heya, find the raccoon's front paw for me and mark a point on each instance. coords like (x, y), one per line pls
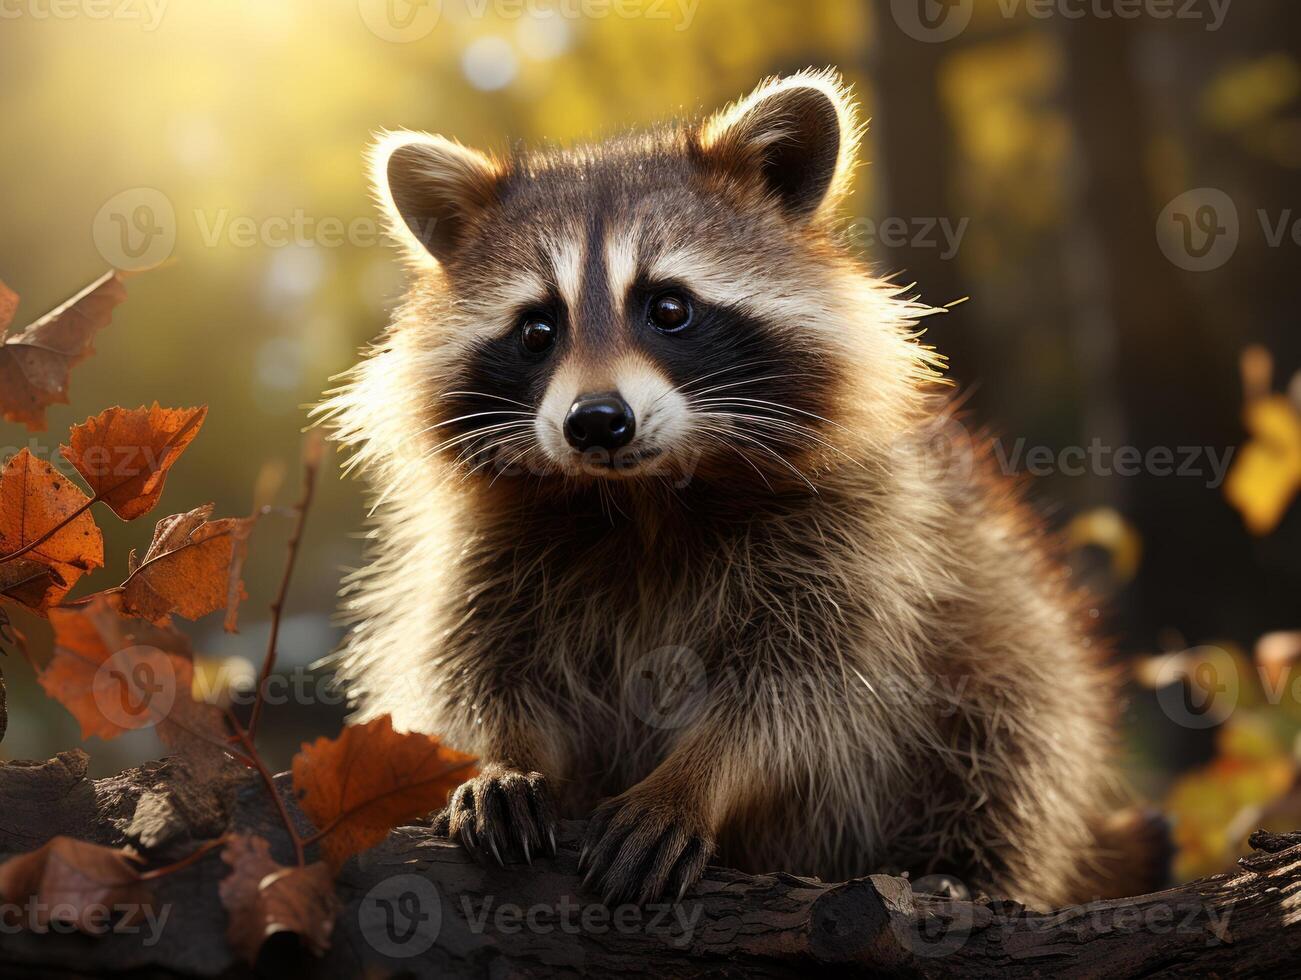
(637, 850)
(501, 811)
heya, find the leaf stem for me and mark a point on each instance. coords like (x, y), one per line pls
(351, 811)
(51, 532)
(189, 859)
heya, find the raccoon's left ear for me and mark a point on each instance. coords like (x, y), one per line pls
(798, 136)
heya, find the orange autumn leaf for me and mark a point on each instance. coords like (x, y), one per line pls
(357, 787)
(35, 362)
(8, 307)
(34, 500)
(263, 898)
(112, 674)
(73, 882)
(31, 584)
(125, 454)
(115, 674)
(193, 567)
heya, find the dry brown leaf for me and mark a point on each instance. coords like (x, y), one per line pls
(263, 898)
(35, 498)
(197, 730)
(35, 362)
(117, 674)
(359, 786)
(125, 454)
(193, 567)
(31, 584)
(73, 881)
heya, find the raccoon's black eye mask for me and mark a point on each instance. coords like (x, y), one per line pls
(668, 311)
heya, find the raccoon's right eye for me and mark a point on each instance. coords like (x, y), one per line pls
(537, 335)
(669, 312)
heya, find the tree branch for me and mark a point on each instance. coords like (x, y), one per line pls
(422, 906)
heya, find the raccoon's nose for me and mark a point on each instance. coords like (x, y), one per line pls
(600, 421)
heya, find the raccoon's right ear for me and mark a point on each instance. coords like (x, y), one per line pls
(429, 188)
(797, 137)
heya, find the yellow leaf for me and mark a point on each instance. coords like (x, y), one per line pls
(1266, 475)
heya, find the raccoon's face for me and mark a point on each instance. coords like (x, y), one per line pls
(654, 307)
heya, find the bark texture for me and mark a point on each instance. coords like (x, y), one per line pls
(415, 906)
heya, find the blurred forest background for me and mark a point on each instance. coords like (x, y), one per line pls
(1118, 196)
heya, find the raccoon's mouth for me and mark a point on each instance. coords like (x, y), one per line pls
(623, 463)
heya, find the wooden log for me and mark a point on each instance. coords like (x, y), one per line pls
(418, 906)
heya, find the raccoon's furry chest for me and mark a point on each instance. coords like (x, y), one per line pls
(626, 624)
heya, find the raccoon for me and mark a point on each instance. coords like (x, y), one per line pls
(674, 527)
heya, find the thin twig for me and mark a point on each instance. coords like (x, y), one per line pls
(311, 466)
(269, 781)
(184, 862)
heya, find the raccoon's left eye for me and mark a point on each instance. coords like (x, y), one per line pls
(669, 312)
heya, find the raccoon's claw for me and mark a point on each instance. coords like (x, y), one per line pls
(502, 813)
(639, 853)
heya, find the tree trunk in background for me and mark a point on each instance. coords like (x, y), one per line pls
(1256, 159)
(915, 153)
(1176, 375)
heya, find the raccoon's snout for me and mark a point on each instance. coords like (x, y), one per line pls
(603, 421)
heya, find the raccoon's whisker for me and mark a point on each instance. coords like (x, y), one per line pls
(485, 450)
(785, 425)
(747, 381)
(608, 503)
(686, 391)
(686, 388)
(490, 453)
(740, 430)
(600, 497)
(476, 415)
(479, 433)
(428, 454)
(484, 394)
(787, 408)
(510, 462)
(762, 476)
(501, 437)
(758, 443)
(469, 443)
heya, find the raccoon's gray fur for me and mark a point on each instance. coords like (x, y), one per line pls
(797, 620)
